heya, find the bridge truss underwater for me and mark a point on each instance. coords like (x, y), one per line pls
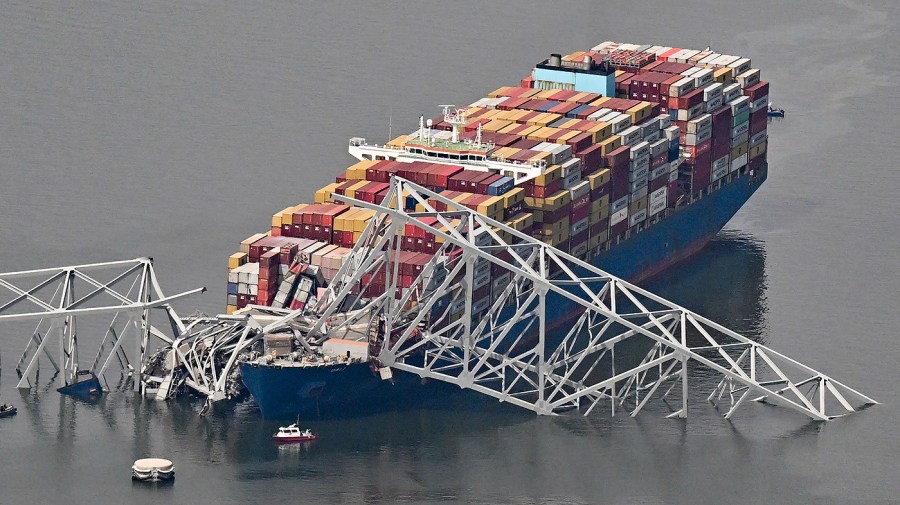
(619, 346)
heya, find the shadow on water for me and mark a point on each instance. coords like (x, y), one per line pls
(725, 282)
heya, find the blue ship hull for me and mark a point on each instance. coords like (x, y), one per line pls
(346, 390)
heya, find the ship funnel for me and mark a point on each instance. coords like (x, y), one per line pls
(587, 62)
(555, 60)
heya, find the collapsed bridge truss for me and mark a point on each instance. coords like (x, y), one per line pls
(494, 311)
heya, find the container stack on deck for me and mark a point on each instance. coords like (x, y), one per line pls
(681, 122)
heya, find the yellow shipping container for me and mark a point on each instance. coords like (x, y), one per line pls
(566, 136)
(600, 129)
(723, 75)
(556, 227)
(599, 214)
(598, 179)
(637, 206)
(740, 150)
(351, 191)
(544, 119)
(513, 197)
(601, 100)
(362, 218)
(541, 156)
(357, 171)
(324, 195)
(570, 124)
(758, 149)
(599, 203)
(530, 93)
(229, 309)
(398, 142)
(245, 244)
(501, 91)
(546, 94)
(237, 259)
(551, 174)
(551, 203)
(492, 207)
(523, 222)
(639, 112)
(495, 125)
(611, 144)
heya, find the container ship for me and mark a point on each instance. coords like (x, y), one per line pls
(631, 157)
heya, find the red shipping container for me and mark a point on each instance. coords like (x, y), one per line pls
(581, 201)
(482, 185)
(757, 91)
(673, 193)
(579, 214)
(699, 149)
(657, 183)
(543, 191)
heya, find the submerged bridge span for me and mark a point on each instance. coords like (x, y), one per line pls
(494, 311)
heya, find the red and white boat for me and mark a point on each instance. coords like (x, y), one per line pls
(292, 433)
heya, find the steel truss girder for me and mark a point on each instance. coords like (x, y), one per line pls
(58, 297)
(503, 350)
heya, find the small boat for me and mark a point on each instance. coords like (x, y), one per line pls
(153, 470)
(775, 112)
(7, 410)
(86, 384)
(292, 433)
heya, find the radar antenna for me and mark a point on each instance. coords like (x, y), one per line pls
(456, 119)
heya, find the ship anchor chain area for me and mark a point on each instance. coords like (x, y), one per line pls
(619, 348)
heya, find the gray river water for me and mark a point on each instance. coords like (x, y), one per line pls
(174, 130)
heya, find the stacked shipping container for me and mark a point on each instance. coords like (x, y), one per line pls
(682, 122)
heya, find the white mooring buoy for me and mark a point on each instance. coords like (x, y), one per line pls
(153, 470)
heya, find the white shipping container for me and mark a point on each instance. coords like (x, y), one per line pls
(580, 189)
(673, 176)
(640, 149)
(653, 137)
(739, 105)
(709, 58)
(740, 139)
(621, 123)
(610, 115)
(731, 92)
(681, 87)
(721, 162)
(690, 72)
(481, 305)
(712, 91)
(631, 135)
(619, 204)
(233, 276)
(703, 77)
(231, 299)
(664, 121)
(649, 127)
(639, 193)
(641, 164)
(501, 281)
(740, 129)
(636, 184)
(748, 78)
(692, 139)
(639, 175)
(672, 132)
(659, 171)
(481, 280)
(724, 60)
(579, 250)
(760, 103)
(570, 166)
(618, 216)
(658, 147)
(739, 162)
(657, 207)
(715, 103)
(659, 194)
(638, 217)
(604, 47)
(580, 226)
(699, 123)
(457, 306)
(740, 65)
(243, 288)
(571, 180)
(687, 115)
(718, 174)
(759, 137)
